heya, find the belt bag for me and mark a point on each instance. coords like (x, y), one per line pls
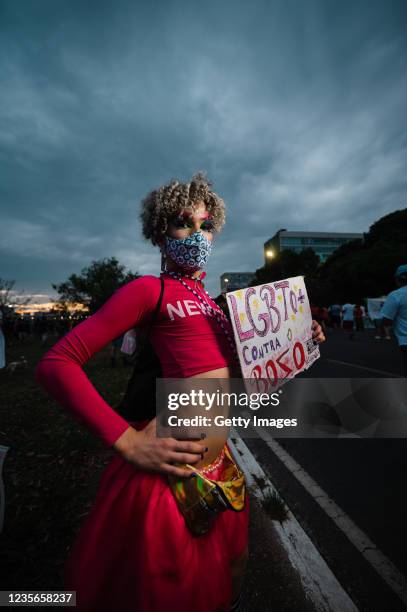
(200, 499)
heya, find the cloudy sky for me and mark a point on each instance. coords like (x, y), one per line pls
(296, 109)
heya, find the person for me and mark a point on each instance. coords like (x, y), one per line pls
(114, 350)
(394, 312)
(324, 318)
(319, 313)
(380, 330)
(347, 319)
(134, 550)
(358, 314)
(129, 343)
(374, 307)
(335, 312)
(315, 312)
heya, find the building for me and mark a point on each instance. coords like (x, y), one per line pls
(230, 281)
(323, 243)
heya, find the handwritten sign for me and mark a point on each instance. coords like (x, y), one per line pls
(272, 328)
(374, 306)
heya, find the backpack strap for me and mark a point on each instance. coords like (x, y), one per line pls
(157, 308)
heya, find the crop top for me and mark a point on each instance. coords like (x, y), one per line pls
(185, 336)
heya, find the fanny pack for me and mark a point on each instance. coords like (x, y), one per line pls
(200, 499)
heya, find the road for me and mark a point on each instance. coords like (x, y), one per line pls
(364, 477)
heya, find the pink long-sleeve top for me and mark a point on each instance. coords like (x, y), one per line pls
(186, 337)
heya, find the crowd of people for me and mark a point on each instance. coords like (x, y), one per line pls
(350, 317)
(355, 317)
(16, 330)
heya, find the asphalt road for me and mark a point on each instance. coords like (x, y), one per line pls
(365, 477)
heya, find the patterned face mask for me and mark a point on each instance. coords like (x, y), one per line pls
(189, 253)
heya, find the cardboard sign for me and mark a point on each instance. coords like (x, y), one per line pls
(272, 328)
(374, 306)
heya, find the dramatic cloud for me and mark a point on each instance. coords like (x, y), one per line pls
(296, 110)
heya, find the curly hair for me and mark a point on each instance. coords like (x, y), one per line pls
(162, 203)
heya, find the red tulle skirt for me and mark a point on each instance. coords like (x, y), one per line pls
(134, 552)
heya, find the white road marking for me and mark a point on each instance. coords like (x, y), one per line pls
(355, 365)
(382, 564)
(320, 584)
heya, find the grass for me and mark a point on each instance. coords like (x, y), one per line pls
(51, 471)
(274, 506)
(272, 502)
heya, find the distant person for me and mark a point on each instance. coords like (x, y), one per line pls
(394, 311)
(374, 307)
(324, 314)
(358, 315)
(129, 343)
(315, 312)
(335, 312)
(319, 314)
(381, 331)
(129, 346)
(348, 319)
(115, 347)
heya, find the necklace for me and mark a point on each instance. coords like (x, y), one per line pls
(219, 315)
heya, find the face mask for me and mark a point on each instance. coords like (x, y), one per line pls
(189, 253)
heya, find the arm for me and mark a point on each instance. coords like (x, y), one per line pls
(60, 369)
(389, 311)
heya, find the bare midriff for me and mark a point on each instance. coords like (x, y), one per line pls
(215, 443)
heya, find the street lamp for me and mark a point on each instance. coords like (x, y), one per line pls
(269, 254)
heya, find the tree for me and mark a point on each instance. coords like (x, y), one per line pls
(95, 284)
(390, 228)
(288, 263)
(356, 270)
(360, 269)
(8, 297)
